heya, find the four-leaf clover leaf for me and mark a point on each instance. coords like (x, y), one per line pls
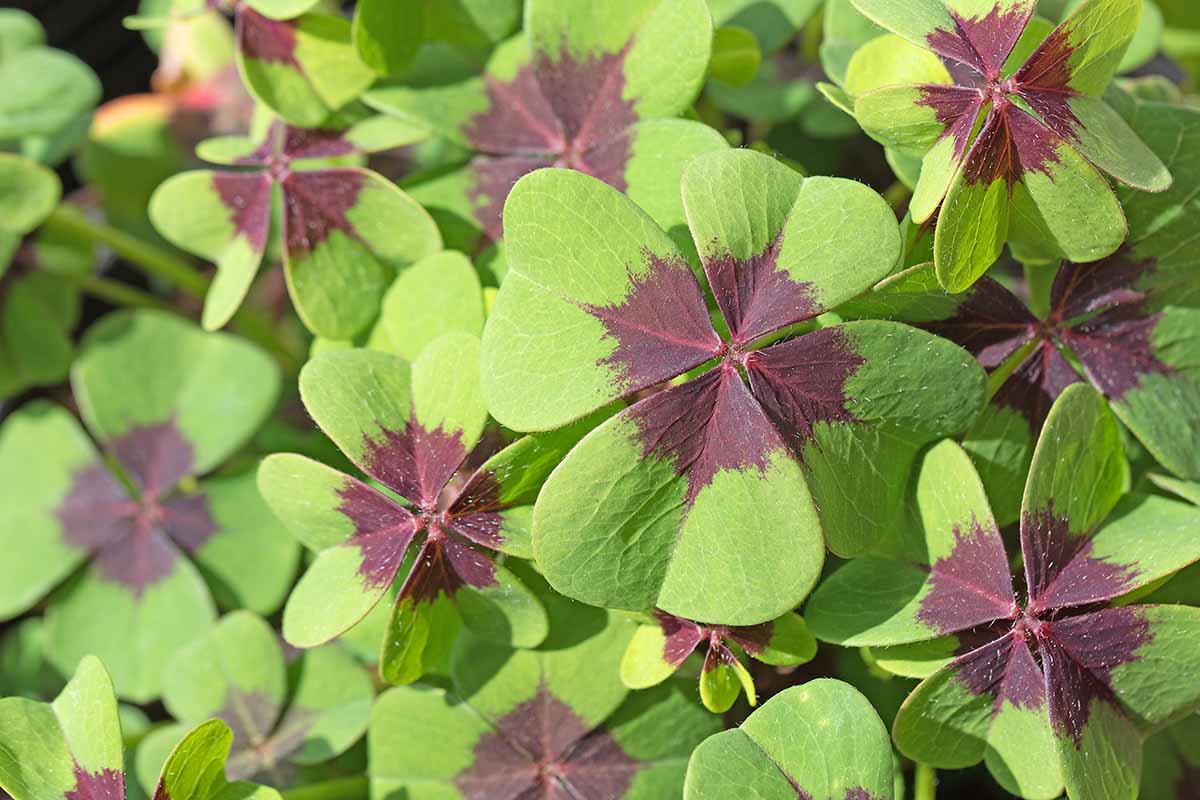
(1056, 684)
(707, 499)
(1013, 141)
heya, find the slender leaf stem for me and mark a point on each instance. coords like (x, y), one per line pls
(925, 783)
(165, 265)
(352, 788)
(150, 258)
(115, 292)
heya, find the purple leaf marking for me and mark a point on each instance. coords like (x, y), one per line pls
(705, 426)
(383, 531)
(554, 112)
(107, 784)
(683, 636)
(802, 382)
(1005, 669)
(134, 540)
(970, 586)
(990, 324)
(542, 749)
(1036, 383)
(263, 39)
(1060, 646)
(1079, 654)
(661, 328)
(956, 108)
(415, 462)
(248, 198)
(1060, 571)
(315, 205)
(982, 43)
(421, 465)
(1188, 785)
(756, 296)
(491, 181)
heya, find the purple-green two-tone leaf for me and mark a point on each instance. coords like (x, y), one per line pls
(167, 358)
(222, 217)
(345, 232)
(303, 69)
(770, 260)
(66, 750)
(819, 740)
(638, 320)
(42, 448)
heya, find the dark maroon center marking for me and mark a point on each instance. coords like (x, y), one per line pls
(1079, 654)
(1099, 312)
(542, 749)
(1012, 142)
(107, 784)
(1060, 570)
(683, 636)
(421, 465)
(802, 382)
(264, 39)
(982, 43)
(134, 540)
(1059, 645)
(248, 198)
(315, 204)
(705, 426)
(970, 586)
(957, 108)
(564, 113)
(1187, 787)
(756, 296)
(661, 328)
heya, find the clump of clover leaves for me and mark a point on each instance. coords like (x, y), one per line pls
(72, 749)
(819, 741)
(1054, 685)
(659, 648)
(583, 87)
(707, 499)
(1127, 324)
(133, 508)
(552, 721)
(286, 718)
(411, 427)
(38, 308)
(49, 94)
(344, 229)
(1012, 133)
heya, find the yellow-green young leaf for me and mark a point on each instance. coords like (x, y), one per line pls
(28, 193)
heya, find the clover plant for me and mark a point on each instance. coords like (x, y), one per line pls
(1012, 133)
(1057, 684)
(72, 748)
(656, 399)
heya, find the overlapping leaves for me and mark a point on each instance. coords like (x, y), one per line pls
(584, 87)
(1013, 133)
(131, 510)
(413, 429)
(818, 741)
(72, 749)
(659, 648)
(284, 717)
(345, 230)
(1055, 685)
(554, 721)
(1126, 324)
(674, 502)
